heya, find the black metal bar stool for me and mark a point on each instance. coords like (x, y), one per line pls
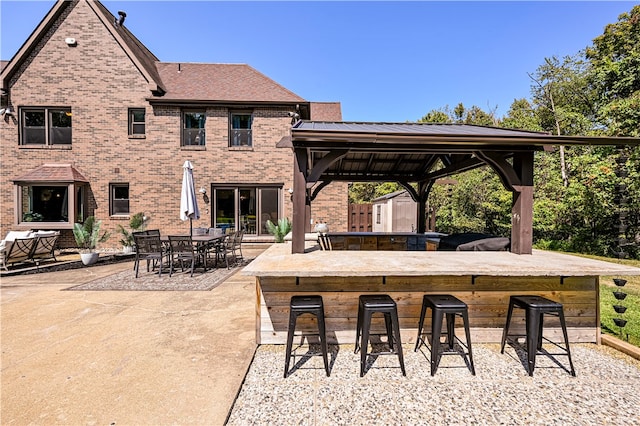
(306, 305)
(367, 306)
(441, 305)
(535, 308)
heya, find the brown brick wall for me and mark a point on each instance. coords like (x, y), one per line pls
(99, 82)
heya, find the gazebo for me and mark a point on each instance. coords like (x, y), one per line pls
(419, 153)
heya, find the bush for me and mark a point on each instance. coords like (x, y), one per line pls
(87, 234)
(136, 223)
(280, 230)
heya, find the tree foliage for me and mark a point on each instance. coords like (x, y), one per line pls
(586, 199)
(615, 60)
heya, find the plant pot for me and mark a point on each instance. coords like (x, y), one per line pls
(89, 258)
(619, 295)
(619, 282)
(322, 228)
(620, 322)
(619, 309)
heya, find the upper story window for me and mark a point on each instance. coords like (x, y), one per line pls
(45, 126)
(193, 132)
(240, 129)
(136, 121)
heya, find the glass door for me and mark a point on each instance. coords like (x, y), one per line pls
(224, 208)
(268, 208)
(246, 208)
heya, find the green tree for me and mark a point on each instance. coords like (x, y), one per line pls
(521, 115)
(615, 74)
(362, 192)
(437, 116)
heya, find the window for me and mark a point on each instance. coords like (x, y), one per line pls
(136, 121)
(247, 208)
(240, 129)
(52, 205)
(193, 132)
(119, 199)
(378, 214)
(45, 126)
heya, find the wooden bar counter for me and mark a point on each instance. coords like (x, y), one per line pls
(483, 280)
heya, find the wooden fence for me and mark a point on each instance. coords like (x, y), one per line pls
(360, 217)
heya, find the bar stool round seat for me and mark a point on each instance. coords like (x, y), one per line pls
(367, 306)
(535, 308)
(442, 305)
(306, 305)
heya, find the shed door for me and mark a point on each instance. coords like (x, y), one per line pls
(404, 215)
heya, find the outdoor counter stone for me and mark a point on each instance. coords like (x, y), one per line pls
(277, 261)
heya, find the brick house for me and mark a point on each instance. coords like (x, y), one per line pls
(95, 124)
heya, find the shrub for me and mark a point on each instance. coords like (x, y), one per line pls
(280, 230)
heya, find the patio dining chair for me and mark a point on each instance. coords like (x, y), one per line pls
(237, 245)
(151, 249)
(224, 249)
(183, 249)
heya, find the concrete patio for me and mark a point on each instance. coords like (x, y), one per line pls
(182, 357)
(122, 357)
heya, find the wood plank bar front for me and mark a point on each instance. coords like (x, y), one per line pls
(487, 298)
(483, 280)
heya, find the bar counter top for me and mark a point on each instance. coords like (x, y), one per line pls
(277, 261)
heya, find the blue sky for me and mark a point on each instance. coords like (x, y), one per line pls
(384, 61)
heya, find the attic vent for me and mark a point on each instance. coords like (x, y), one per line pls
(119, 22)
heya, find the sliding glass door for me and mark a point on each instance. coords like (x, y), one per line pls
(246, 207)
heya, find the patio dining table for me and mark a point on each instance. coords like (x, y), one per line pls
(202, 242)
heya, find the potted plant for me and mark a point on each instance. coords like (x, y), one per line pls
(136, 223)
(280, 230)
(87, 236)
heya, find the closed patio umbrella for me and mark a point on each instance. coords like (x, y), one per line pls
(188, 201)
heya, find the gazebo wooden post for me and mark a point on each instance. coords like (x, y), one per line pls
(299, 213)
(423, 192)
(522, 207)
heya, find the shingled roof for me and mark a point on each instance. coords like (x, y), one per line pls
(62, 173)
(220, 82)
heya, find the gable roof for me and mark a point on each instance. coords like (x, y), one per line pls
(173, 82)
(138, 52)
(143, 59)
(220, 82)
(402, 192)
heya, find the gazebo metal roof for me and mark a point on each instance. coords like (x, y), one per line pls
(419, 153)
(409, 152)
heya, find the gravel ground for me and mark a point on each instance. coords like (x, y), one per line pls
(606, 389)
